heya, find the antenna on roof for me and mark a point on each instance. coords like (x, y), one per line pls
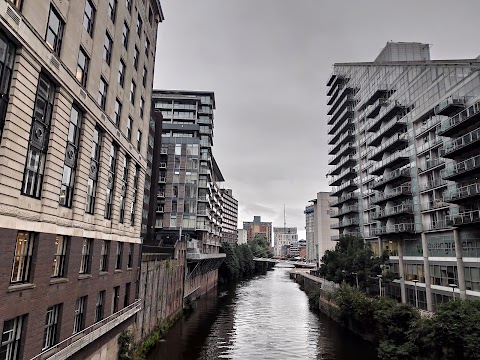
(284, 219)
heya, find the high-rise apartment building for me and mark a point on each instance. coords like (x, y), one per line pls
(283, 236)
(404, 133)
(229, 217)
(311, 246)
(258, 227)
(241, 236)
(74, 102)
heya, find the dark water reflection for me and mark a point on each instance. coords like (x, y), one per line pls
(263, 318)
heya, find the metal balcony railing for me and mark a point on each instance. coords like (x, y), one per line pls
(432, 122)
(396, 228)
(344, 210)
(344, 198)
(341, 139)
(457, 144)
(431, 184)
(349, 172)
(385, 129)
(333, 159)
(398, 155)
(433, 205)
(465, 218)
(429, 145)
(430, 164)
(395, 210)
(462, 167)
(344, 223)
(462, 192)
(400, 190)
(345, 185)
(395, 138)
(356, 234)
(462, 117)
(392, 176)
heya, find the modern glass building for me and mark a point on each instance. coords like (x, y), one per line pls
(405, 166)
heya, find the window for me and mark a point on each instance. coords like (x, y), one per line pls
(111, 180)
(107, 48)
(112, 9)
(129, 128)
(86, 259)
(79, 317)
(102, 93)
(22, 258)
(50, 337)
(6, 68)
(54, 34)
(126, 299)
(124, 187)
(89, 17)
(144, 76)
(82, 67)
(17, 3)
(70, 161)
(116, 297)
(130, 256)
(93, 174)
(59, 259)
(139, 25)
(11, 336)
(135, 58)
(125, 35)
(121, 73)
(142, 106)
(39, 135)
(135, 191)
(139, 140)
(128, 3)
(99, 306)
(150, 16)
(133, 90)
(147, 47)
(119, 255)
(118, 112)
(104, 255)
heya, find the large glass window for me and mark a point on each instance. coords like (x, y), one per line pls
(124, 188)
(82, 67)
(54, 35)
(104, 255)
(7, 57)
(102, 93)
(94, 168)
(130, 256)
(107, 48)
(128, 4)
(121, 72)
(119, 255)
(139, 140)
(136, 175)
(80, 312)
(99, 306)
(116, 299)
(111, 180)
(118, 112)
(129, 128)
(112, 9)
(71, 155)
(22, 258)
(136, 55)
(139, 25)
(50, 337)
(86, 257)
(126, 299)
(89, 17)
(147, 46)
(39, 136)
(11, 336)
(144, 76)
(125, 35)
(133, 90)
(142, 107)
(60, 256)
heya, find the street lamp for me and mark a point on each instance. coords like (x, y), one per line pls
(356, 277)
(380, 283)
(453, 286)
(343, 273)
(416, 293)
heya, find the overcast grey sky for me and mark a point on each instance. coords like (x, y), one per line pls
(268, 61)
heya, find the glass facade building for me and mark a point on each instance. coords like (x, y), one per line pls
(405, 165)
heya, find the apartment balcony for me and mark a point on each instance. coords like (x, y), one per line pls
(456, 147)
(461, 121)
(345, 210)
(434, 205)
(333, 93)
(347, 174)
(450, 106)
(161, 194)
(337, 141)
(344, 150)
(349, 185)
(433, 184)
(394, 143)
(403, 190)
(462, 193)
(433, 122)
(401, 209)
(335, 79)
(343, 90)
(397, 159)
(345, 223)
(341, 103)
(395, 125)
(395, 175)
(432, 144)
(395, 229)
(464, 219)
(370, 99)
(349, 160)
(431, 164)
(340, 129)
(375, 108)
(336, 120)
(345, 198)
(436, 225)
(388, 113)
(462, 168)
(356, 234)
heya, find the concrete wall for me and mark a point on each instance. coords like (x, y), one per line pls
(323, 233)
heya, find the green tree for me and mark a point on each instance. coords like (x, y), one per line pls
(230, 268)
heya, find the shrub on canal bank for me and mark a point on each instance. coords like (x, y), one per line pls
(400, 333)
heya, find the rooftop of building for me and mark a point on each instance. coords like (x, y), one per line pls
(183, 94)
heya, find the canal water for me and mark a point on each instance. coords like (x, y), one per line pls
(263, 318)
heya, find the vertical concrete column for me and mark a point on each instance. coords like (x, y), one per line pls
(460, 267)
(401, 270)
(426, 271)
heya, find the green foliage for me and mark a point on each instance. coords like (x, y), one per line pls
(230, 268)
(125, 345)
(314, 299)
(351, 255)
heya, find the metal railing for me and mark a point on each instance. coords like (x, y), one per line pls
(400, 190)
(461, 142)
(385, 128)
(344, 198)
(340, 152)
(384, 163)
(392, 175)
(464, 218)
(429, 145)
(434, 183)
(342, 175)
(389, 142)
(460, 117)
(344, 186)
(462, 166)
(435, 204)
(344, 223)
(432, 122)
(462, 192)
(396, 228)
(394, 210)
(431, 163)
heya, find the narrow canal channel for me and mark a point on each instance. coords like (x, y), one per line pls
(263, 318)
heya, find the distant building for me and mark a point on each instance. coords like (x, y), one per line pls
(241, 236)
(311, 248)
(283, 236)
(323, 231)
(229, 217)
(257, 227)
